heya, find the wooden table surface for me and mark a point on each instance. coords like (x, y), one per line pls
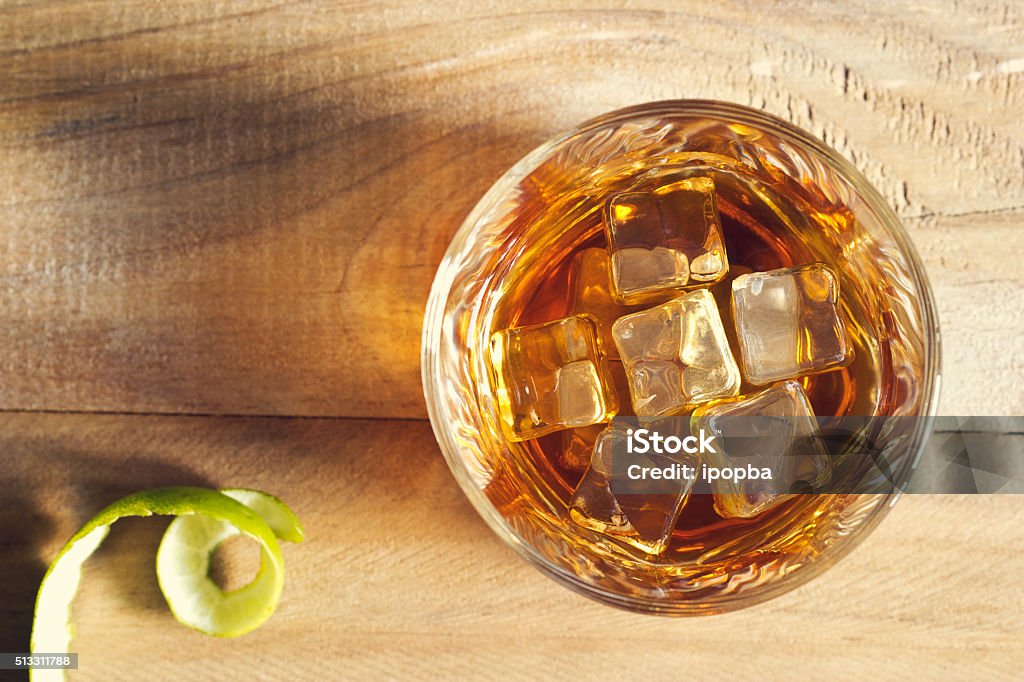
(219, 222)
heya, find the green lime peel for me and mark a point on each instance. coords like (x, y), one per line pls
(204, 519)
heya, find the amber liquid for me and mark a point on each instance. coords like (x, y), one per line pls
(768, 223)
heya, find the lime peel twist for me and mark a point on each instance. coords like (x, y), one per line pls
(205, 518)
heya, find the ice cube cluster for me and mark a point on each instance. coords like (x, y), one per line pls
(644, 324)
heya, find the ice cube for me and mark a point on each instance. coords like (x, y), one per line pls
(663, 240)
(578, 446)
(656, 387)
(644, 521)
(676, 355)
(776, 430)
(788, 324)
(648, 271)
(591, 292)
(549, 377)
(580, 400)
(578, 443)
(652, 334)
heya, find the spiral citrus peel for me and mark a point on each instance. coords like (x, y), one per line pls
(205, 518)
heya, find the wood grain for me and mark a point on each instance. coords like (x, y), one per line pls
(399, 578)
(238, 207)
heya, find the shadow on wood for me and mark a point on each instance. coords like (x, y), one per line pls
(46, 494)
(213, 236)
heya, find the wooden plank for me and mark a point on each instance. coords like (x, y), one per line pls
(971, 261)
(237, 208)
(400, 579)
